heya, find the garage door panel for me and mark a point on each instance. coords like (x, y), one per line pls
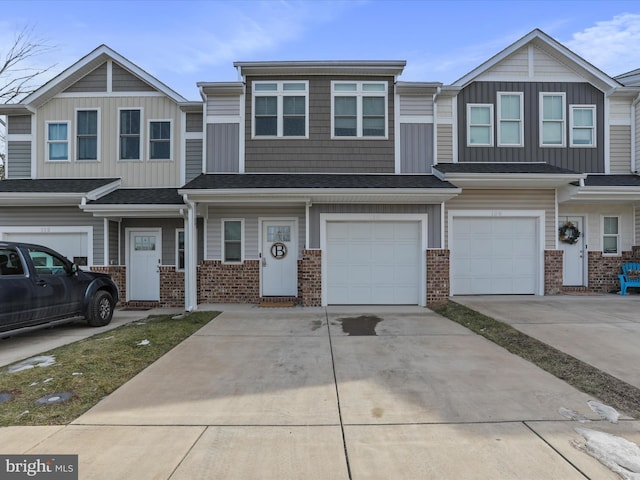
(69, 244)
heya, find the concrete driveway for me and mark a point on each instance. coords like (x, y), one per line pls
(352, 393)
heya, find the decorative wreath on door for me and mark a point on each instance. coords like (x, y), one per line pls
(569, 233)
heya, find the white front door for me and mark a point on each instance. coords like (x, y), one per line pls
(573, 258)
(143, 270)
(279, 263)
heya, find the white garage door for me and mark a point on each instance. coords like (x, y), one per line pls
(494, 256)
(70, 244)
(373, 263)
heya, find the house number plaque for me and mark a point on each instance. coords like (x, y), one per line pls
(278, 250)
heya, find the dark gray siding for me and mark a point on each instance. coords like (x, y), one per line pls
(223, 147)
(589, 160)
(194, 122)
(19, 160)
(416, 147)
(319, 153)
(95, 81)
(19, 124)
(433, 223)
(123, 81)
(193, 159)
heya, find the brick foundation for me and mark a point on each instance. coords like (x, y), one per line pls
(171, 287)
(310, 278)
(553, 271)
(118, 275)
(229, 283)
(438, 284)
(604, 270)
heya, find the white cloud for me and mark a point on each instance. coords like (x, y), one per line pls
(612, 45)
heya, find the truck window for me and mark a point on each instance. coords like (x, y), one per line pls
(10, 263)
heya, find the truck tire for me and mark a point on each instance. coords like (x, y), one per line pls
(100, 309)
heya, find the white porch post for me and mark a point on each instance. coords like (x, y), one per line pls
(190, 258)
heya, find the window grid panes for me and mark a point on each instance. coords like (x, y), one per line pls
(583, 126)
(480, 125)
(280, 109)
(359, 109)
(552, 130)
(611, 235)
(58, 141)
(160, 140)
(129, 134)
(232, 240)
(510, 130)
(279, 233)
(180, 250)
(87, 134)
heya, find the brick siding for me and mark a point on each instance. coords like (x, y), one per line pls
(310, 278)
(229, 283)
(438, 285)
(118, 275)
(171, 287)
(604, 270)
(553, 271)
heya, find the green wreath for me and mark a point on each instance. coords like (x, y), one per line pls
(569, 233)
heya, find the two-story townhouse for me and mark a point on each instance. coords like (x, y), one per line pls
(95, 158)
(542, 144)
(317, 186)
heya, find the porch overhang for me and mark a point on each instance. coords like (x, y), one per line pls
(129, 211)
(54, 192)
(137, 202)
(603, 188)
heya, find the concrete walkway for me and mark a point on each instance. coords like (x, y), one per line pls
(290, 394)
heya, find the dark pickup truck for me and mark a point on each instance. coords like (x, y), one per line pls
(39, 287)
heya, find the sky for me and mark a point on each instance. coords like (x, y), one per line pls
(184, 42)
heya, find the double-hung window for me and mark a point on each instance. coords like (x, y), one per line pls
(582, 121)
(611, 235)
(180, 249)
(57, 141)
(87, 135)
(552, 120)
(280, 109)
(510, 119)
(479, 125)
(359, 109)
(232, 240)
(129, 135)
(160, 140)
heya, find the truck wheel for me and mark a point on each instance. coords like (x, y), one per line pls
(100, 309)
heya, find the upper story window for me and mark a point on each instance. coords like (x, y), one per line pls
(510, 119)
(359, 109)
(129, 134)
(280, 109)
(160, 140)
(582, 121)
(479, 125)
(87, 134)
(552, 120)
(57, 141)
(611, 235)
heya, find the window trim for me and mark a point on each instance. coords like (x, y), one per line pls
(359, 93)
(50, 142)
(98, 136)
(491, 125)
(158, 120)
(223, 242)
(499, 120)
(563, 122)
(618, 251)
(178, 232)
(279, 93)
(592, 128)
(141, 150)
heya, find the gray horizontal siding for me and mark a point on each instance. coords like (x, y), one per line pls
(19, 124)
(193, 159)
(123, 81)
(620, 149)
(223, 147)
(432, 211)
(19, 160)
(418, 105)
(57, 217)
(221, 106)
(589, 160)
(194, 122)
(96, 81)
(416, 147)
(319, 153)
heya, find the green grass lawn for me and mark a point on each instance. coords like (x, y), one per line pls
(92, 368)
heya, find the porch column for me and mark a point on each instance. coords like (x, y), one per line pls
(190, 258)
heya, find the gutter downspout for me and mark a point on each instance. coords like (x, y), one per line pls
(435, 126)
(190, 254)
(634, 160)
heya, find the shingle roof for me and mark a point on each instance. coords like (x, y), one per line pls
(612, 181)
(313, 181)
(141, 196)
(513, 168)
(54, 185)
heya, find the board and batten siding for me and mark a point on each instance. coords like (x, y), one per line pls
(620, 149)
(251, 227)
(18, 160)
(18, 124)
(433, 217)
(588, 160)
(57, 217)
(319, 153)
(145, 173)
(496, 200)
(416, 147)
(223, 148)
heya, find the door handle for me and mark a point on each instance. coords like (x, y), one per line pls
(41, 283)
(264, 262)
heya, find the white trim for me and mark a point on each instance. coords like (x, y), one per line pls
(416, 118)
(105, 241)
(454, 129)
(539, 215)
(177, 251)
(141, 152)
(21, 137)
(192, 135)
(279, 93)
(56, 229)
(618, 236)
(499, 120)
(585, 247)
(171, 140)
(541, 120)
(420, 218)
(48, 142)
(182, 153)
(213, 119)
(127, 234)
(607, 136)
(396, 128)
(491, 124)
(241, 133)
(242, 241)
(74, 148)
(359, 93)
(294, 237)
(34, 148)
(594, 130)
